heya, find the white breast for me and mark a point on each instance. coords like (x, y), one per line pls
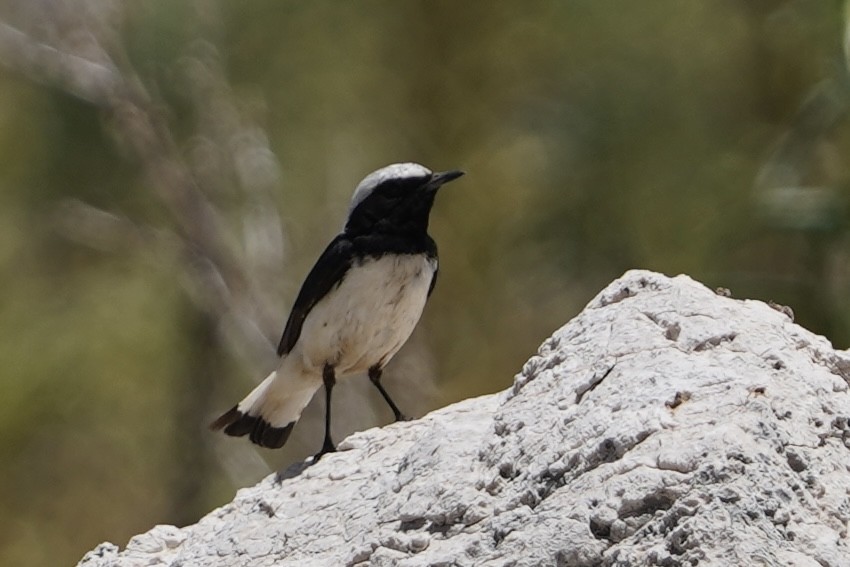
(367, 319)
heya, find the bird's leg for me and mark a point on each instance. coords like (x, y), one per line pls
(330, 380)
(375, 377)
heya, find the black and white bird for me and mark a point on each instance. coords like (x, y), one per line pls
(357, 307)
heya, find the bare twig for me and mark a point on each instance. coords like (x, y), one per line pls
(93, 82)
(222, 279)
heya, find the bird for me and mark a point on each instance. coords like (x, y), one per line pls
(356, 308)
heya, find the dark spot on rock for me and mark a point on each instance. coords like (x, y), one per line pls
(623, 293)
(499, 534)
(507, 470)
(661, 499)
(787, 311)
(728, 496)
(709, 474)
(607, 451)
(600, 529)
(438, 528)
(265, 508)
(678, 543)
(530, 498)
(597, 379)
(413, 524)
(673, 331)
(680, 398)
(712, 342)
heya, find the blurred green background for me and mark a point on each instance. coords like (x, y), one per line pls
(170, 170)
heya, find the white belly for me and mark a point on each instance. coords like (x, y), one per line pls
(367, 319)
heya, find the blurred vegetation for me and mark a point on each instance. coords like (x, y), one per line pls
(170, 170)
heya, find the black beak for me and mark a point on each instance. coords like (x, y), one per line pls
(441, 177)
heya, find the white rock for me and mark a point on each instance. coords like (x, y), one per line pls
(665, 425)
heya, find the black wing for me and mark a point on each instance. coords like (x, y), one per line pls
(431, 251)
(433, 279)
(329, 270)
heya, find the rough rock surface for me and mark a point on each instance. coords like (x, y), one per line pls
(665, 425)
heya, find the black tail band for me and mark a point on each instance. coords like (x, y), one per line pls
(261, 432)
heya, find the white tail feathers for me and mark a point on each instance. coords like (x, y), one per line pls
(250, 404)
(270, 411)
(280, 398)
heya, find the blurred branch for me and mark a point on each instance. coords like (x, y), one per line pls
(140, 128)
(227, 280)
(786, 195)
(44, 64)
(96, 228)
(817, 116)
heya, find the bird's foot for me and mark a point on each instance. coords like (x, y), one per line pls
(327, 447)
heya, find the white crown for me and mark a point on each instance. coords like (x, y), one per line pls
(395, 171)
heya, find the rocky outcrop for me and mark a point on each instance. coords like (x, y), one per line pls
(664, 425)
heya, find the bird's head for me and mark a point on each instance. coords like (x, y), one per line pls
(395, 199)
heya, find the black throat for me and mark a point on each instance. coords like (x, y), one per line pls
(394, 209)
(393, 220)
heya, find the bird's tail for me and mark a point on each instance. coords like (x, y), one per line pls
(270, 411)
